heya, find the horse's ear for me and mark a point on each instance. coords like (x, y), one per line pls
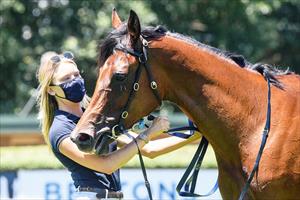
(134, 27)
(116, 21)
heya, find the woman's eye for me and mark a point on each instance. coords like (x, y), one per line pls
(65, 79)
(77, 75)
(120, 76)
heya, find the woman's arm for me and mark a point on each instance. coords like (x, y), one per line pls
(102, 163)
(111, 162)
(160, 146)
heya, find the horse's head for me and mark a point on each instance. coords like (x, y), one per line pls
(124, 91)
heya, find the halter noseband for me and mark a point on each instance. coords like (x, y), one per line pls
(142, 59)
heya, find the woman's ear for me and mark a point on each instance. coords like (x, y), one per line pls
(51, 91)
(133, 26)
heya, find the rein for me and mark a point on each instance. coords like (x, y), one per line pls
(262, 145)
(189, 183)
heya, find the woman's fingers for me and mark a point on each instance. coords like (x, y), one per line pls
(159, 125)
(163, 123)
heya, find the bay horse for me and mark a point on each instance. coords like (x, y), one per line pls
(222, 93)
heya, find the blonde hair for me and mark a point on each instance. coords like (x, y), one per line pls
(46, 103)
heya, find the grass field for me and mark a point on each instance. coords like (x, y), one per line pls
(40, 157)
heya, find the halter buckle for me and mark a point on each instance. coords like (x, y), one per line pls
(124, 114)
(135, 127)
(145, 42)
(113, 131)
(153, 85)
(136, 86)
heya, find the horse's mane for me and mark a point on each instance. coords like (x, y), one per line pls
(107, 46)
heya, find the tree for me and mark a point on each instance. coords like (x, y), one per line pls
(260, 30)
(263, 31)
(30, 28)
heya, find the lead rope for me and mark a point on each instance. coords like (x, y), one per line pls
(147, 184)
(262, 145)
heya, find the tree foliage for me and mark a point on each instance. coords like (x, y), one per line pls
(262, 31)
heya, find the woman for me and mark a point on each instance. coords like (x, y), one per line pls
(62, 98)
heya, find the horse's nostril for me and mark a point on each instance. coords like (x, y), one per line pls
(84, 142)
(83, 137)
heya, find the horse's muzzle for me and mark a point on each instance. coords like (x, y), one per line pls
(102, 143)
(84, 142)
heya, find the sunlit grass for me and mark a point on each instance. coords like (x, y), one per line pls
(40, 157)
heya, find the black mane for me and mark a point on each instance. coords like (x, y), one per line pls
(107, 46)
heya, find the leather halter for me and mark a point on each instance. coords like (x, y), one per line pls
(142, 58)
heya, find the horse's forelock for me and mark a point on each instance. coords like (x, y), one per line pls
(106, 46)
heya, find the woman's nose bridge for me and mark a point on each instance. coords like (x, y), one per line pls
(73, 76)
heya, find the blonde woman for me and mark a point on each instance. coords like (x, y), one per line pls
(62, 99)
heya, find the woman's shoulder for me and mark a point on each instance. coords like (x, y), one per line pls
(61, 128)
(61, 123)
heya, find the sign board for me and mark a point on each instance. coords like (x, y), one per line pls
(57, 184)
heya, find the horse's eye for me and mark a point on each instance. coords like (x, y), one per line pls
(120, 76)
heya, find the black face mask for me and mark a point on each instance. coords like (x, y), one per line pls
(74, 90)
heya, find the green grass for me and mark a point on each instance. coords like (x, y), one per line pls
(40, 157)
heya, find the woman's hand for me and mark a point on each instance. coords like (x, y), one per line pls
(159, 125)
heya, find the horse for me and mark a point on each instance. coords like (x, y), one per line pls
(222, 93)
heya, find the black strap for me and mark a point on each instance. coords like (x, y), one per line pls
(151, 80)
(173, 131)
(189, 183)
(147, 184)
(129, 51)
(132, 92)
(262, 145)
(142, 57)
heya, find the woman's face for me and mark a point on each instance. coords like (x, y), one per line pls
(65, 72)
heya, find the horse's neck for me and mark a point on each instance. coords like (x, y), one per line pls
(224, 100)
